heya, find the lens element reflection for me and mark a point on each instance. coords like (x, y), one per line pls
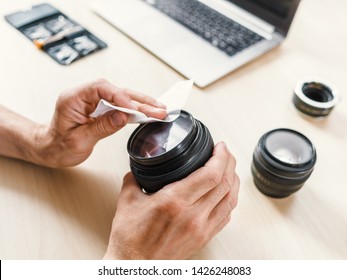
(289, 147)
(164, 137)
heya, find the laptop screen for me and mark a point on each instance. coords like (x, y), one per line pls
(280, 8)
(279, 13)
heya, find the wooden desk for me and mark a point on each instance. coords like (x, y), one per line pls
(67, 213)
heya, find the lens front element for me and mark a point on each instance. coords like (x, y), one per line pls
(164, 137)
(288, 147)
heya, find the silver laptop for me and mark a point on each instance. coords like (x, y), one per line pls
(202, 39)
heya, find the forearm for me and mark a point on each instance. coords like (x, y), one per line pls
(19, 136)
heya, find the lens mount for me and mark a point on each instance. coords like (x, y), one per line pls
(314, 97)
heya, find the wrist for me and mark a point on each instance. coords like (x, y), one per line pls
(42, 148)
(123, 252)
(111, 254)
(39, 148)
(26, 140)
(34, 144)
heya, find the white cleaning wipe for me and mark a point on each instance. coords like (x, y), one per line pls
(175, 99)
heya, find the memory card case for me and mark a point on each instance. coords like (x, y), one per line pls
(59, 36)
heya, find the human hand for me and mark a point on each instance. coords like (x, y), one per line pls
(178, 220)
(72, 134)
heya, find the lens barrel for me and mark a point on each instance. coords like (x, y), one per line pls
(282, 162)
(316, 99)
(161, 153)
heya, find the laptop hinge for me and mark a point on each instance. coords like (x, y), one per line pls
(241, 16)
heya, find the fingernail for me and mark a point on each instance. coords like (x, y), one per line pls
(159, 104)
(161, 113)
(133, 105)
(222, 143)
(119, 119)
(159, 110)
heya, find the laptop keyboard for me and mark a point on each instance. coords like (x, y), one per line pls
(219, 30)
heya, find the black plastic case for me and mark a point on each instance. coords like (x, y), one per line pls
(59, 36)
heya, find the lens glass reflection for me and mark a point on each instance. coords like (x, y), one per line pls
(163, 137)
(289, 147)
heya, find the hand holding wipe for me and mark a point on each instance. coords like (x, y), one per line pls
(175, 99)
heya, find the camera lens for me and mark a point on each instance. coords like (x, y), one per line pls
(162, 153)
(282, 162)
(316, 99)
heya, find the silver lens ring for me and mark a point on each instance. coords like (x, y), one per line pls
(315, 97)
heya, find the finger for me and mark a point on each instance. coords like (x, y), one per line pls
(220, 226)
(92, 93)
(151, 111)
(226, 205)
(102, 89)
(131, 191)
(209, 201)
(200, 182)
(144, 99)
(107, 124)
(235, 191)
(70, 103)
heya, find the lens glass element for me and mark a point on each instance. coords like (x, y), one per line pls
(164, 137)
(288, 147)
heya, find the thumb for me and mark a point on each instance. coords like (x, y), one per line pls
(108, 124)
(131, 191)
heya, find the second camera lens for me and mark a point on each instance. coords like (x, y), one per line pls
(282, 161)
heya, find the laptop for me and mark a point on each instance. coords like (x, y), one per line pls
(202, 39)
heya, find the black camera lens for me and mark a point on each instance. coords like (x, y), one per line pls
(316, 99)
(282, 162)
(162, 153)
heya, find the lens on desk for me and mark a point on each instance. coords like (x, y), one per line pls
(162, 153)
(316, 99)
(282, 162)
